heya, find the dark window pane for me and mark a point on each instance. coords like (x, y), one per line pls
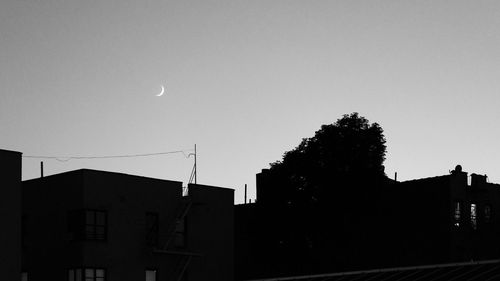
(487, 213)
(99, 272)
(100, 232)
(90, 217)
(90, 232)
(78, 276)
(89, 273)
(100, 218)
(87, 225)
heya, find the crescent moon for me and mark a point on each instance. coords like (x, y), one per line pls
(161, 92)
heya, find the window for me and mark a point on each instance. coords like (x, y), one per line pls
(487, 214)
(150, 275)
(180, 233)
(75, 274)
(24, 276)
(71, 275)
(94, 274)
(87, 274)
(457, 214)
(75, 225)
(87, 225)
(95, 225)
(152, 229)
(473, 216)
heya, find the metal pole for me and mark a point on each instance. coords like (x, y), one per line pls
(195, 170)
(245, 193)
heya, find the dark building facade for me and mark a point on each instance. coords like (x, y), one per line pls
(99, 226)
(89, 225)
(444, 219)
(10, 214)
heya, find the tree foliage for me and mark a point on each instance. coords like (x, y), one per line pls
(320, 191)
(349, 152)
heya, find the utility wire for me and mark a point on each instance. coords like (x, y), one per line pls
(67, 158)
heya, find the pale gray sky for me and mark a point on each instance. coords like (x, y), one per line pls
(246, 81)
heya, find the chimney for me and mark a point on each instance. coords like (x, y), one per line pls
(478, 180)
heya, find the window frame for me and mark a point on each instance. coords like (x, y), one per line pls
(474, 215)
(79, 274)
(81, 228)
(93, 236)
(457, 213)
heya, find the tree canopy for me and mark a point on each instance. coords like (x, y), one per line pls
(310, 201)
(348, 152)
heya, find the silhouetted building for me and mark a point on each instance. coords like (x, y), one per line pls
(99, 226)
(10, 215)
(88, 225)
(444, 219)
(447, 218)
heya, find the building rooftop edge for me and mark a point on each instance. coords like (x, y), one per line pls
(85, 170)
(10, 151)
(427, 178)
(210, 186)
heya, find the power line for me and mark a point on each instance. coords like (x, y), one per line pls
(67, 158)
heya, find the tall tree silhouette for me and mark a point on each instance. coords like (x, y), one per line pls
(310, 201)
(347, 152)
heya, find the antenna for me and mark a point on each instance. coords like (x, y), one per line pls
(195, 181)
(193, 172)
(245, 193)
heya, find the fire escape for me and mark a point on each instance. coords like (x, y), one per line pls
(173, 241)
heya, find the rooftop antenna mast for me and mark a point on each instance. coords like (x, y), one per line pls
(195, 181)
(193, 172)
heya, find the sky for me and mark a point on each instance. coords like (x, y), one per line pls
(246, 81)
